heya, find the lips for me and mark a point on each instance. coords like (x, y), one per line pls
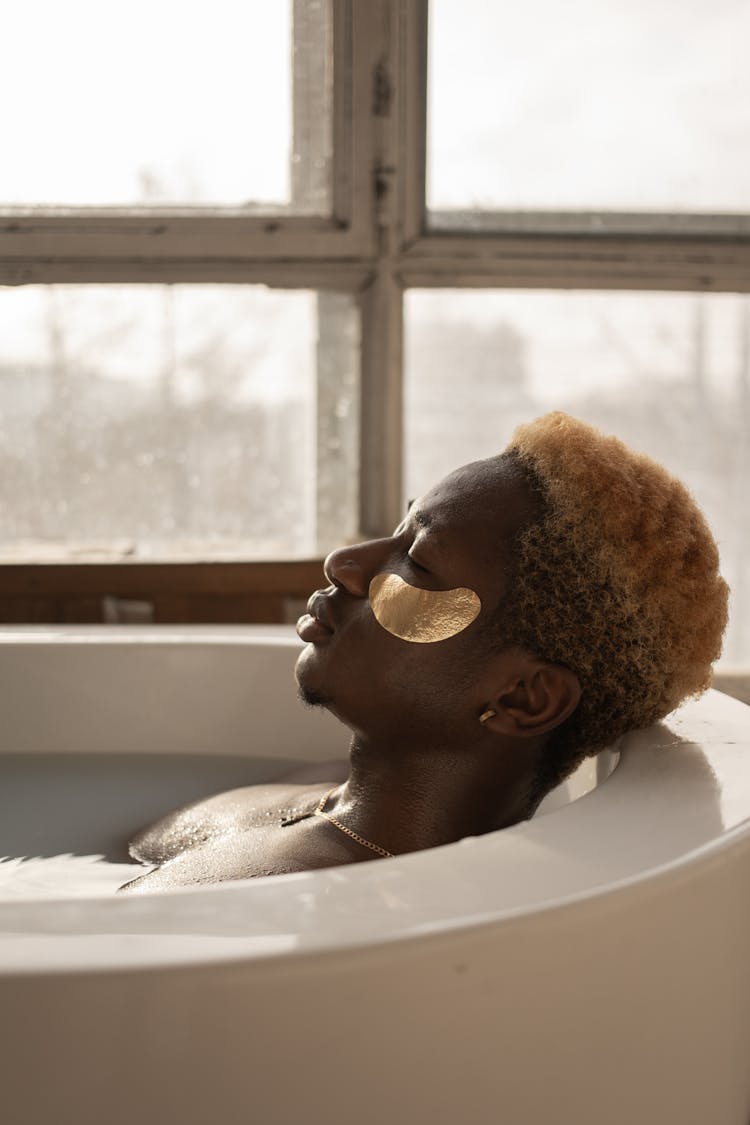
(315, 625)
(318, 608)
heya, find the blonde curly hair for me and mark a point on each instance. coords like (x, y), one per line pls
(618, 578)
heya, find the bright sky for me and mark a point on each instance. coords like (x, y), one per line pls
(110, 101)
(628, 104)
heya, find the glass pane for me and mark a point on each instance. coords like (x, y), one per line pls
(151, 421)
(167, 104)
(590, 104)
(668, 372)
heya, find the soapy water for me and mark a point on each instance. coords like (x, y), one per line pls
(63, 876)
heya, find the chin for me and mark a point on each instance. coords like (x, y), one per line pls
(308, 677)
(312, 698)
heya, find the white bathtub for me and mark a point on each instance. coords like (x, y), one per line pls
(589, 966)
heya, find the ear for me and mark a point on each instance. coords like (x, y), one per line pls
(536, 697)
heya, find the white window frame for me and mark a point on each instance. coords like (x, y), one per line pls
(377, 242)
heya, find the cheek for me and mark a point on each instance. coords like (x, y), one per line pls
(425, 694)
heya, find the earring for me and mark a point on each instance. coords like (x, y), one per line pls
(487, 715)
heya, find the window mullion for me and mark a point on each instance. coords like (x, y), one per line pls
(528, 260)
(381, 425)
(390, 27)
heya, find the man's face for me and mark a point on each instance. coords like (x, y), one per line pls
(454, 537)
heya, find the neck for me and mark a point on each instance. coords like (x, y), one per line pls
(406, 798)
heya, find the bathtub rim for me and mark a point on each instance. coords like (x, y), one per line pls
(697, 860)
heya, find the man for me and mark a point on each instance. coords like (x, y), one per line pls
(530, 609)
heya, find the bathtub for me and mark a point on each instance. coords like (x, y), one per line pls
(591, 965)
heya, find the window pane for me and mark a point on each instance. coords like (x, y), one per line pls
(172, 422)
(167, 103)
(668, 372)
(590, 104)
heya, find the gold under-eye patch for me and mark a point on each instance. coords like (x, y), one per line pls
(421, 615)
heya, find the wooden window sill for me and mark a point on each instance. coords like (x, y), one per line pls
(268, 592)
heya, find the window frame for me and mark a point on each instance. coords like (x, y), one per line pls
(376, 243)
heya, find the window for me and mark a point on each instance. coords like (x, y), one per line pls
(157, 110)
(170, 421)
(591, 105)
(299, 247)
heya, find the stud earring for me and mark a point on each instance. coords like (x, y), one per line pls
(487, 715)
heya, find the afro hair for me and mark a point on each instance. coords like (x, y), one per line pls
(617, 578)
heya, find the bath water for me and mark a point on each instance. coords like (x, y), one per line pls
(66, 819)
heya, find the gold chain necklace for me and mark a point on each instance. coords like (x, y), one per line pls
(320, 811)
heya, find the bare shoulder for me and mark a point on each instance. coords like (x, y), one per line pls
(236, 810)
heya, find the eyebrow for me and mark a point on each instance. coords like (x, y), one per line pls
(427, 523)
(422, 518)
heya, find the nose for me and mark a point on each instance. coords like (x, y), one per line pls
(353, 568)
